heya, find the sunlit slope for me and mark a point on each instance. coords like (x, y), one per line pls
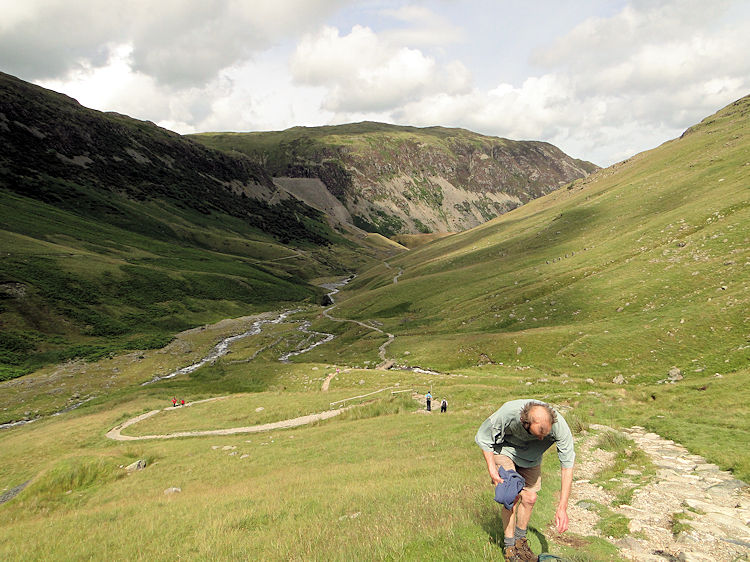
(637, 268)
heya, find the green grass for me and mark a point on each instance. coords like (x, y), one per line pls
(627, 457)
(611, 524)
(92, 289)
(679, 524)
(382, 481)
(654, 277)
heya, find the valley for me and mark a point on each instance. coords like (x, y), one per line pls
(621, 297)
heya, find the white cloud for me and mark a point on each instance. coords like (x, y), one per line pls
(424, 27)
(364, 72)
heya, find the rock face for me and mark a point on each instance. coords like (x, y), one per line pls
(675, 374)
(392, 179)
(136, 466)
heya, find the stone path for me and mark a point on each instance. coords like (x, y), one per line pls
(712, 503)
(13, 492)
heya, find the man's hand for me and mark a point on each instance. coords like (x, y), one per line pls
(495, 478)
(561, 519)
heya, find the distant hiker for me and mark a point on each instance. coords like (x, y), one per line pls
(514, 438)
(174, 402)
(443, 406)
(428, 397)
(182, 402)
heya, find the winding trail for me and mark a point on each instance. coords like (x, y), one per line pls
(329, 378)
(381, 350)
(116, 432)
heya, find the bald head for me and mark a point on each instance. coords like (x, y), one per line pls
(537, 418)
(541, 421)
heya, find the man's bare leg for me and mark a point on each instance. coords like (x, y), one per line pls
(509, 520)
(523, 510)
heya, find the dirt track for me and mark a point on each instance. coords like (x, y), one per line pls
(116, 432)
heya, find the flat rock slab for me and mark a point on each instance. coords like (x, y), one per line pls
(711, 502)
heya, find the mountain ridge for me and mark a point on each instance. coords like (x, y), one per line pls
(116, 234)
(396, 179)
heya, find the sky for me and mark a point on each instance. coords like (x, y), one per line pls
(600, 79)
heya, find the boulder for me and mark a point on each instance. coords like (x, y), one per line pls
(619, 379)
(675, 374)
(140, 464)
(172, 490)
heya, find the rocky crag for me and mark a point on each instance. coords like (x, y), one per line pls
(393, 179)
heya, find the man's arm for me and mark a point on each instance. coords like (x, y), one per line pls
(561, 515)
(489, 457)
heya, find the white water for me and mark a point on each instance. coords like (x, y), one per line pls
(335, 288)
(222, 347)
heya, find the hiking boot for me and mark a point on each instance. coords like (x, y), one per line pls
(511, 554)
(522, 550)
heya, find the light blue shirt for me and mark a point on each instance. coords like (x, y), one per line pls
(503, 434)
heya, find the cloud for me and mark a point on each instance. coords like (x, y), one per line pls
(364, 72)
(423, 27)
(235, 100)
(181, 43)
(604, 88)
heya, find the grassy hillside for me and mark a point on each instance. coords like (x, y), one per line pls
(379, 482)
(637, 269)
(642, 265)
(117, 234)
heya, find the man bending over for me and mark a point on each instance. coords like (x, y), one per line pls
(515, 438)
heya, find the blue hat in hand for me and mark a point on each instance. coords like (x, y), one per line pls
(507, 491)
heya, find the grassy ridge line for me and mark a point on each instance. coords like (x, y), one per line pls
(395, 179)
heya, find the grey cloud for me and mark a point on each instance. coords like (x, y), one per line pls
(180, 43)
(57, 39)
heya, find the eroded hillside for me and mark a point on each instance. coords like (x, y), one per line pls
(393, 179)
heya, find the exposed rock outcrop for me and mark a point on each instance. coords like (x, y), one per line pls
(392, 179)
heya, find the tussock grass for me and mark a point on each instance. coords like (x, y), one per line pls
(614, 441)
